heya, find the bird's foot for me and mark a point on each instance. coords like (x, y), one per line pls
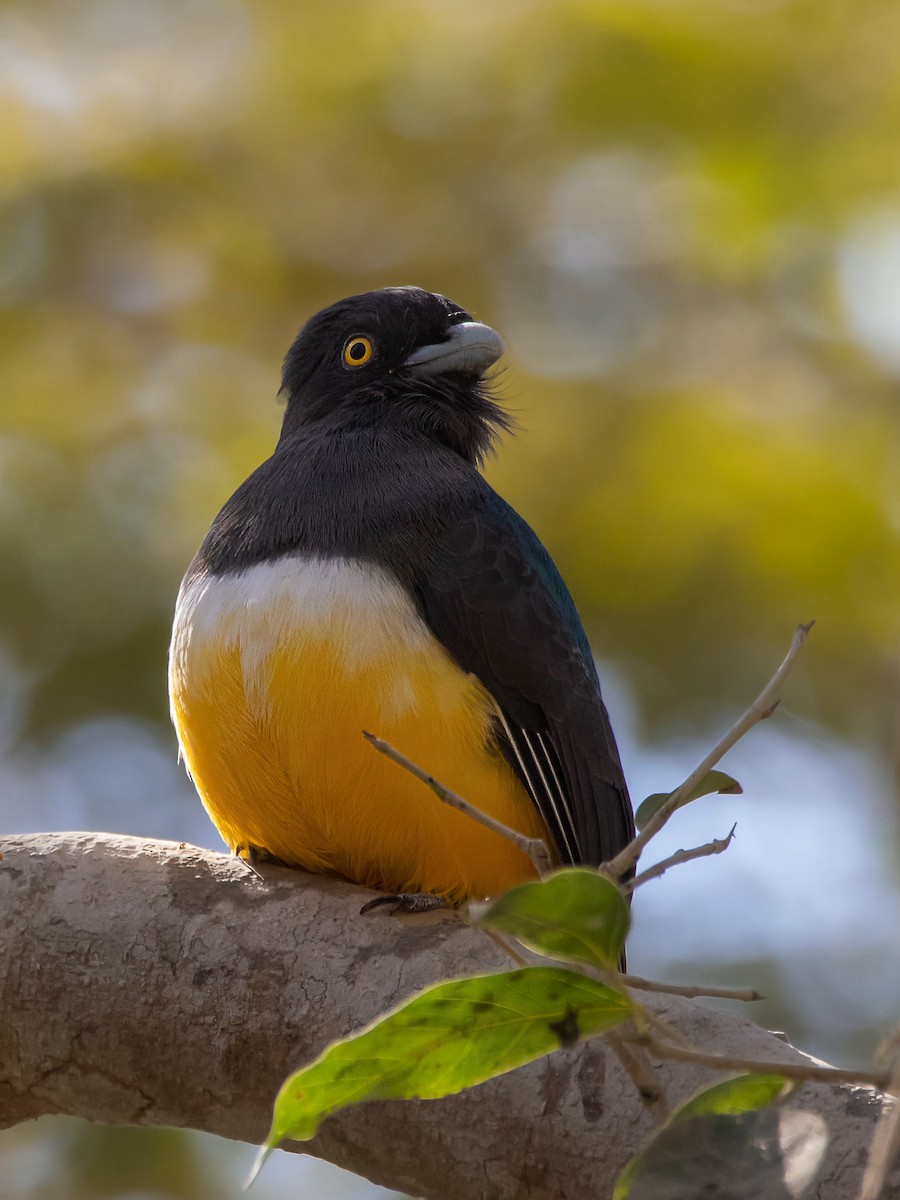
(407, 902)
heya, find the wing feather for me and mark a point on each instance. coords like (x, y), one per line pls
(551, 801)
(493, 597)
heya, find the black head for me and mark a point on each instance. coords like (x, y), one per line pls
(400, 356)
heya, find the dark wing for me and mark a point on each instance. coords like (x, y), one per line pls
(494, 598)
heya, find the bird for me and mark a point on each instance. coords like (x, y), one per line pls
(366, 577)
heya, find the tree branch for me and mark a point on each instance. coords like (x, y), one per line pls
(692, 991)
(761, 708)
(802, 1072)
(535, 848)
(151, 983)
(716, 846)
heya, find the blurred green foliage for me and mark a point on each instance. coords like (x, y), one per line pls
(684, 218)
(650, 201)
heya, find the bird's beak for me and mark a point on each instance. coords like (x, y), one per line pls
(469, 347)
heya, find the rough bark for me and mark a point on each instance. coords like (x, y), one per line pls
(152, 983)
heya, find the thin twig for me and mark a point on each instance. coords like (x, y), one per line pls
(886, 1139)
(691, 992)
(801, 1071)
(507, 947)
(716, 846)
(761, 708)
(637, 1065)
(535, 848)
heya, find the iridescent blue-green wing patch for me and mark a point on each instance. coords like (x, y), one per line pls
(494, 598)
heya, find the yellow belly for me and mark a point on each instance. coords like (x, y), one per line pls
(274, 675)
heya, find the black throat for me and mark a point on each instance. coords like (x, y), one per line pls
(455, 412)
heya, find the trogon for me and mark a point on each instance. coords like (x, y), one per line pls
(367, 577)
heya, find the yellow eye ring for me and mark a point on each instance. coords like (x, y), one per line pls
(358, 350)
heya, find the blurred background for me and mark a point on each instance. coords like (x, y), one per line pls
(684, 219)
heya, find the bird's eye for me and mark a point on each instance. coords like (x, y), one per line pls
(357, 351)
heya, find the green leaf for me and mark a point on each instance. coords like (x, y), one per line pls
(772, 1153)
(744, 1093)
(574, 914)
(730, 1098)
(447, 1038)
(712, 781)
